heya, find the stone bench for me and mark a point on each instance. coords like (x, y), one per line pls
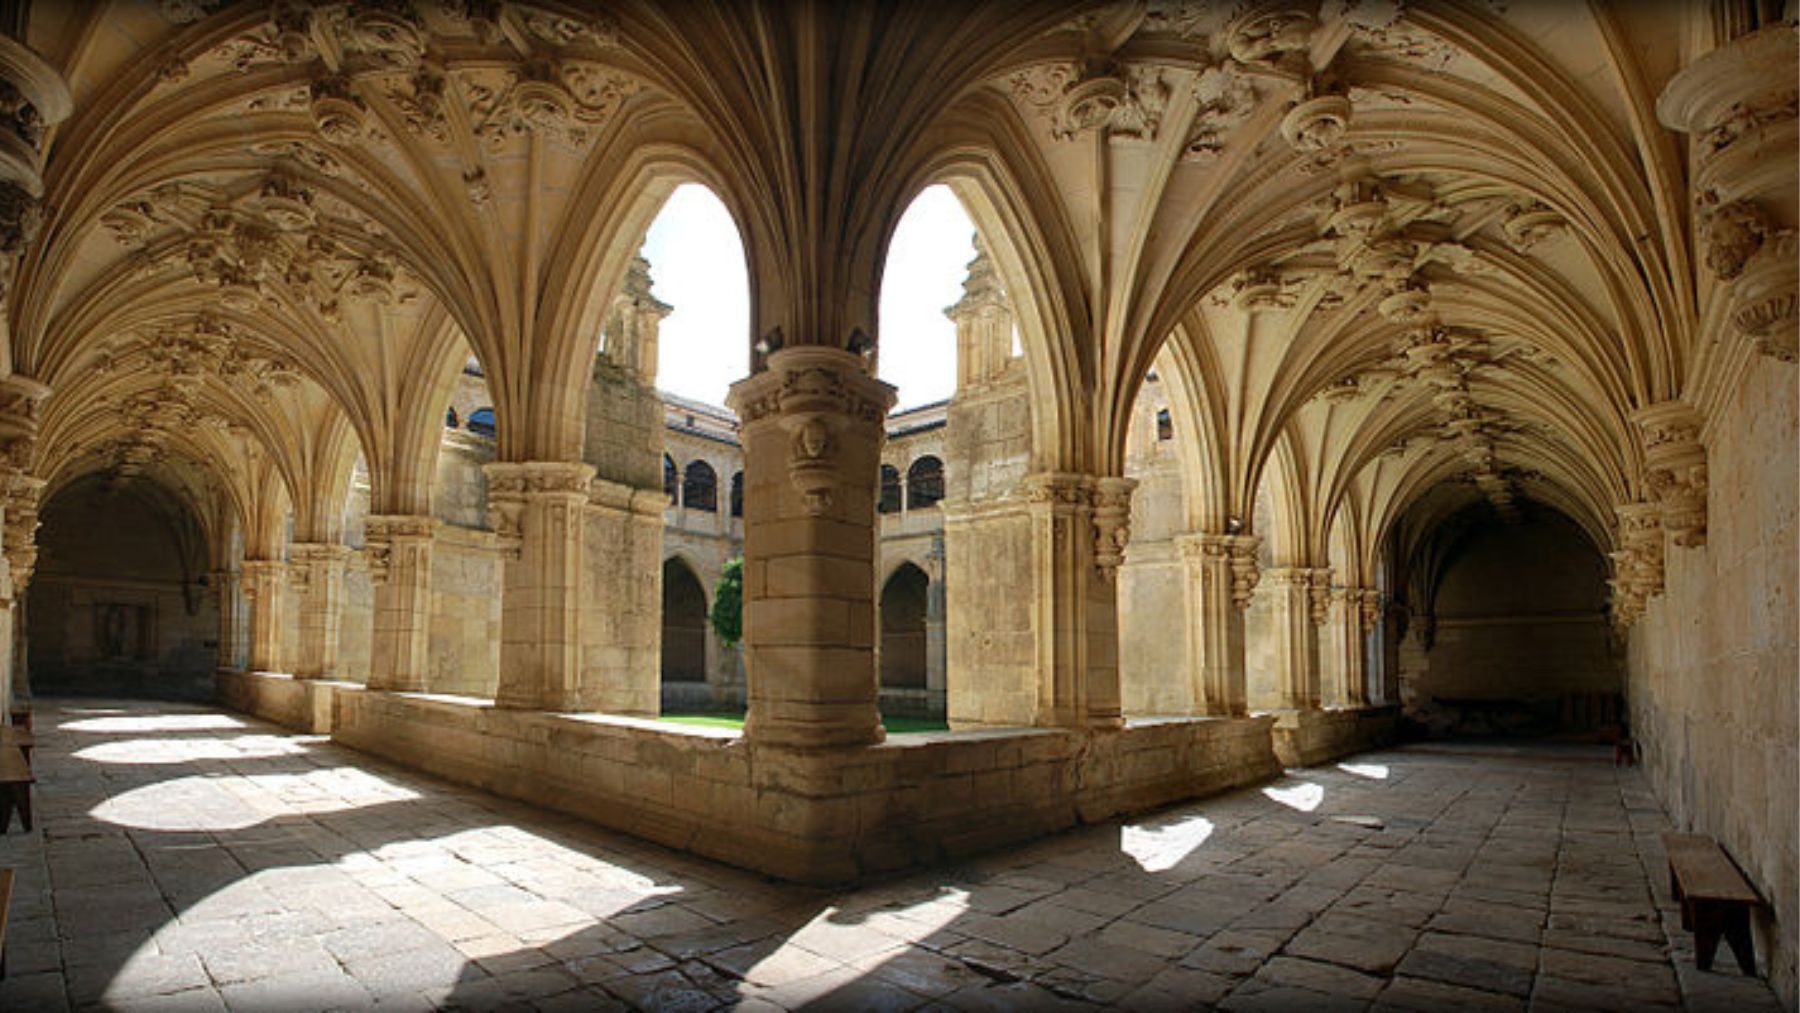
(1715, 898)
(15, 788)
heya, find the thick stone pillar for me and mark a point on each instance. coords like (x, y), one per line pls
(812, 435)
(398, 548)
(621, 629)
(1347, 633)
(1079, 530)
(1296, 637)
(1220, 572)
(540, 508)
(265, 584)
(317, 573)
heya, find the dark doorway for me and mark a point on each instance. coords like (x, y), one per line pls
(121, 603)
(683, 625)
(903, 603)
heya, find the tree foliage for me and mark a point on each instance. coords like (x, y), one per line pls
(728, 604)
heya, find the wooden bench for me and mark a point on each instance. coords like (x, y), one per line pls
(6, 885)
(1714, 896)
(21, 717)
(18, 738)
(15, 788)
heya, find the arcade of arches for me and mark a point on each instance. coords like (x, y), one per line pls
(1326, 366)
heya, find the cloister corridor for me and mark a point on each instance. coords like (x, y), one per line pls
(187, 858)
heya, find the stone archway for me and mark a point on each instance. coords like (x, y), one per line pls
(684, 624)
(904, 600)
(1507, 633)
(122, 603)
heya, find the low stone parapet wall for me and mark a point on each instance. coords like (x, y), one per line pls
(1307, 737)
(816, 817)
(304, 705)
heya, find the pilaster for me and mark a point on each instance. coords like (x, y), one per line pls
(1220, 577)
(812, 435)
(1296, 637)
(398, 550)
(265, 585)
(621, 627)
(1348, 635)
(539, 508)
(1080, 525)
(317, 576)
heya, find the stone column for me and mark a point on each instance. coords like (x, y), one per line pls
(1079, 530)
(936, 647)
(1296, 637)
(812, 436)
(539, 507)
(398, 547)
(317, 573)
(621, 629)
(1374, 630)
(265, 584)
(1221, 576)
(231, 625)
(1349, 649)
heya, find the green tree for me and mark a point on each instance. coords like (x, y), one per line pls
(728, 604)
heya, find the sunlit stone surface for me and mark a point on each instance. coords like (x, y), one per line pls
(236, 867)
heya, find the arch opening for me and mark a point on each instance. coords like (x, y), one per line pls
(1504, 628)
(122, 603)
(684, 639)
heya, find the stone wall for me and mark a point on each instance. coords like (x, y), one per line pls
(113, 611)
(465, 612)
(828, 817)
(1713, 684)
(990, 645)
(1153, 625)
(1519, 642)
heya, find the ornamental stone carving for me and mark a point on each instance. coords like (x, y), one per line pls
(1244, 570)
(1675, 461)
(1637, 562)
(1318, 595)
(814, 393)
(1112, 523)
(1735, 231)
(1121, 102)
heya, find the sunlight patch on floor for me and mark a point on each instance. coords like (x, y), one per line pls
(1161, 847)
(1373, 771)
(1303, 796)
(185, 750)
(150, 724)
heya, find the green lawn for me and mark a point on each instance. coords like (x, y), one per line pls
(895, 725)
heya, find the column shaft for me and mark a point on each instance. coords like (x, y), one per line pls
(540, 506)
(1348, 684)
(318, 577)
(1220, 573)
(1296, 638)
(399, 551)
(266, 583)
(812, 435)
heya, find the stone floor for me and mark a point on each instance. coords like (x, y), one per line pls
(190, 859)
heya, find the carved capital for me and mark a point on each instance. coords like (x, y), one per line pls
(1244, 569)
(1318, 595)
(1369, 609)
(1675, 464)
(817, 395)
(1112, 523)
(388, 535)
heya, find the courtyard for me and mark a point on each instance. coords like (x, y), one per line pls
(187, 858)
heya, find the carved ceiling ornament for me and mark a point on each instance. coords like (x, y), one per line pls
(270, 242)
(566, 99)
(1118, 101)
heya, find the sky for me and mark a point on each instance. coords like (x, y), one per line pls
(697, 266)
